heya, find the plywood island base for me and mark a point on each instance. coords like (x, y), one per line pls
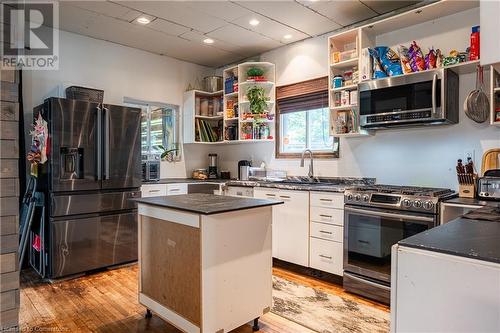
(205, 273)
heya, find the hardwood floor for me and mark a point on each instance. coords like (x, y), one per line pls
(107, 302)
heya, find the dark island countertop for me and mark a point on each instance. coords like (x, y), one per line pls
(206, 204)
(476, 239)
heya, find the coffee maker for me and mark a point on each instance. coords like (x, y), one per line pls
(212, 166)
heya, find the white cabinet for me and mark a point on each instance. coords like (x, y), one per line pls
(290, 224)
(153, 190)
(158, 190)
(490, 32)
(327, 232)
(436, 292)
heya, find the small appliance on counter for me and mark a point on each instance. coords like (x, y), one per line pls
(488, 186)
(150, 169)
(212, 166)
(244, 169)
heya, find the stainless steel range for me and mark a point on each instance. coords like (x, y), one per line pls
(377, 217)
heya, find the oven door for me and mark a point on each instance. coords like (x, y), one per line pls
(369, 234)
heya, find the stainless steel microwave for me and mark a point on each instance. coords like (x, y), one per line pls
(423, 98)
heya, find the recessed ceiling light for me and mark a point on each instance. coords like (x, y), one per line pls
(208, 41)
(287, 36)
(143, 20)
(254, 22)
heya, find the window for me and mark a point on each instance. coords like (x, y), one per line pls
(159, 127)
(303, 120)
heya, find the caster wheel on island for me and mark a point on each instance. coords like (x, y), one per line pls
(255, 326)
(149, 314)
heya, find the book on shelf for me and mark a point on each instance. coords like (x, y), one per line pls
(205, 132)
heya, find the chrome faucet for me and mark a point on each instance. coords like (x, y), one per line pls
(310, 174)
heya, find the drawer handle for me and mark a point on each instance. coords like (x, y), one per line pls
(239, 193)
(327, 216)
(270, 195)
(326, 257)
(284, 196)
(363, 241)
(174, 189)
(152, 191)
(329, 200)
(326, 232)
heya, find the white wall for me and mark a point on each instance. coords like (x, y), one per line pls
(120, 71)
(418, 156)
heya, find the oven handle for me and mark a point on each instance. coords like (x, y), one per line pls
(391, 215)
(434, 86)
(367, 281)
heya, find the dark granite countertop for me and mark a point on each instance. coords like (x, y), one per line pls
(476, 239)
(183, 180)
(206, 204)
(471, 202)
(336, 184)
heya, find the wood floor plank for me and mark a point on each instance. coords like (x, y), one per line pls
(107, 302)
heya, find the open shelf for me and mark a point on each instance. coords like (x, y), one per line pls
(343, 107)
(349, 87)
(233, 94)
(209, 117)
(345, 64)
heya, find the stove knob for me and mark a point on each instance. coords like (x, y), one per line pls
(349, 197)
(428, 205)
(417, 204)
(357, 197)
(406, 203)
(366, 198)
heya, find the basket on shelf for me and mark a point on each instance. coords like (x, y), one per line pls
(85, 94)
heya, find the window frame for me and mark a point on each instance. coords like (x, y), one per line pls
(296, 90)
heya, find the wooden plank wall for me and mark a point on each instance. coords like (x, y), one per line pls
(9, 198)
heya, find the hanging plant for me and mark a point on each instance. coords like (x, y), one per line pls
(258, 100)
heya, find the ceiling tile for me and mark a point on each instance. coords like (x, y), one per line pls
(292, 14)
(219, 44)
(270, 28)
(384, 6)
(246, 39)
(343, 12)
(106, 8)
(167, 27)
(222, 9)
(177, 12)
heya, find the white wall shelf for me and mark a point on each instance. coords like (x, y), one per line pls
(382, 33)
(193, 115)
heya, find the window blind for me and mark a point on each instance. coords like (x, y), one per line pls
(307, 95)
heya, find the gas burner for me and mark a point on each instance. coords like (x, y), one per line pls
(410, 198)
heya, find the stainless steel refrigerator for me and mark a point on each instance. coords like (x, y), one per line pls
(93, 169)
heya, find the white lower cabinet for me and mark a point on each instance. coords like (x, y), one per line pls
(153, 190)
(290, 224)
(326, 256)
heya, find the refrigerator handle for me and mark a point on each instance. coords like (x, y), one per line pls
(106, 142)
(99, 142)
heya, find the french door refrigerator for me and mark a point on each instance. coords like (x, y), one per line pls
(93, 169)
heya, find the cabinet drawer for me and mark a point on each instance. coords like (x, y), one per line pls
(327, 215)
(155, 190)
(327, 231)
(328, 200)
(174, 189)
(326, 256)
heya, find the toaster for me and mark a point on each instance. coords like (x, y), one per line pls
(488, 187)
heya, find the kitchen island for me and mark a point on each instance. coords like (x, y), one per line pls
(449, 275)
(205, 260)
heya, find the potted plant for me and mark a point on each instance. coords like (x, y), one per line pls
(258, 100)
(255, 74)
(167, 154)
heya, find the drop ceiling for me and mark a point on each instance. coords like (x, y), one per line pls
(178, 28)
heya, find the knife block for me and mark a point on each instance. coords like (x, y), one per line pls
(467, 185)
